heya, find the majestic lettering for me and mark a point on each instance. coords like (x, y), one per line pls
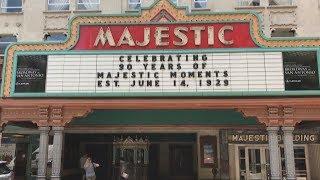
(165, 36)
(162, 36)
(263, 138)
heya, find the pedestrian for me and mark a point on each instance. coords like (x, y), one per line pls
(124, 174)
(89, 169)
(83, 160)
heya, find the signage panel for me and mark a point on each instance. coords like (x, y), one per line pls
(165, 73)
(162, 73)
(301, 70)
(255, 137)
(149, 58)
(165, 36)
(31, 73)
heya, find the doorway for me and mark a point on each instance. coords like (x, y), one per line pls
(253, 163)
(181, 162)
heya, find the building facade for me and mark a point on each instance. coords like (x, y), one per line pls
(179, 89)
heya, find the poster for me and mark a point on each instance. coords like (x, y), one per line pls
(300, 70)
(208, 149)
(31, 73)
(207, 153)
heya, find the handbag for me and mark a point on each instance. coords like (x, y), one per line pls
(124, 175)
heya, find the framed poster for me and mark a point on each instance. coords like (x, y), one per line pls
(31, 73)
(300, 70)
(208, 150)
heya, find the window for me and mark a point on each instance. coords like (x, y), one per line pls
(280, 2)
(283, 32)
(200, 4)
(134, 4)
(88, 4)
(58, 5)
(175, 2)
(11, 6)
(55, 37)
(249, 2)
(299, 159)
(5, 40)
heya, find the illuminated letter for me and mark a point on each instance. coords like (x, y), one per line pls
(210, 35)
(197, 34)
(159, 34)
(126, 38)
(221, 35)
(104, 37)
(178, 33)
(146, 40)
(235, 138)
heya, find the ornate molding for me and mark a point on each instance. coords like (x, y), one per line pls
(75, 112)
(283, 18)
(59, 112)
(277, 115)
(146, 15)
(163, 14)
(56, 21)
(44, 115)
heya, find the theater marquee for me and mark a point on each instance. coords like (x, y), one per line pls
(211, 57)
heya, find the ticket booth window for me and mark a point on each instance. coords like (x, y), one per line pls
(130, 158)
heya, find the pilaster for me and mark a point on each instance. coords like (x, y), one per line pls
(57, 155)
(43, 152)
(274, 153)
(289, 152)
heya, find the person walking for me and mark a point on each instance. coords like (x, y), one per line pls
(83, 160)
(124, 174)
(89, 169)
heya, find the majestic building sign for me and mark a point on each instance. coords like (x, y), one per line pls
(250, 137)
(163, 52)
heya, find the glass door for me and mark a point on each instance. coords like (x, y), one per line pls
(253, 163)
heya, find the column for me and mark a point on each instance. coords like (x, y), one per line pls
(274, 153)
(57, 152)
(43, 153)
(289, 152)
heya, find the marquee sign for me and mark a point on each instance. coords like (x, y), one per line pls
(165, 36)
(196, 73)
(163, 52)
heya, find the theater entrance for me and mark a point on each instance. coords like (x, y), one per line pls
(181, 162)
(146, 156)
